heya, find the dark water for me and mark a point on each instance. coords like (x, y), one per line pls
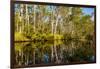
(54, 52)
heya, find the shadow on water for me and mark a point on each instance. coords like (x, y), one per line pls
(56, 52)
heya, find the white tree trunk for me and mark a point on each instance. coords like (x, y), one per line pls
(34, 17)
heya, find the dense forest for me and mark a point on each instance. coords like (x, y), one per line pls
(50, 34)
(47, 22)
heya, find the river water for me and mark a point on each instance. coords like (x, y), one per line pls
(54, 52)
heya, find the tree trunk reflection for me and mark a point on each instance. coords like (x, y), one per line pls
(58, 52)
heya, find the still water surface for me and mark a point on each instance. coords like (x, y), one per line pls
(53, 52)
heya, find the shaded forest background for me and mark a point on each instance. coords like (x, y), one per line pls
(49, 22)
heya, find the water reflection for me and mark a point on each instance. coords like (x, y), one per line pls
(55, 52)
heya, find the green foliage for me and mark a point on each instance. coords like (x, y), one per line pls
(67, 36)
(58, 36)
(50, 36)
(42, 36)
(28, 31)
(42, 23)
(20, 37)
(18, 48)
